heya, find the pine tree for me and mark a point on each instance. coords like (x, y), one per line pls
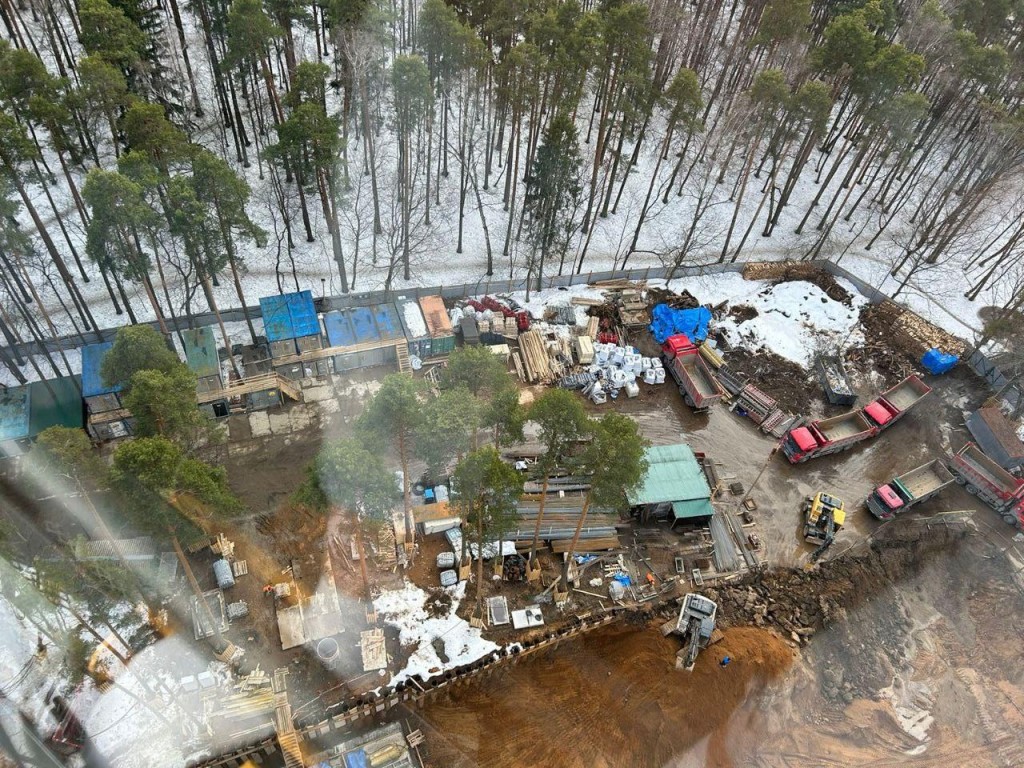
(554, 196)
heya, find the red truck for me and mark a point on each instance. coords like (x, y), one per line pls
(984, 478)
(697, 384)
(827, 436)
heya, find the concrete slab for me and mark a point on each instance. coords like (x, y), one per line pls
(280, 423)
(259, 423)
(317, 394)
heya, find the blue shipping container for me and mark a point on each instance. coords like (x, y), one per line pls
(289, 316)
(388, 324)
(92, 359)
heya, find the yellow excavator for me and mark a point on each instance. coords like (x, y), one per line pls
(824, 517)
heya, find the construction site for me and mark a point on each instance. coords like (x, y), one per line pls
(818, 566)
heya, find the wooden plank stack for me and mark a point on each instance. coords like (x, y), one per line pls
(535, 357)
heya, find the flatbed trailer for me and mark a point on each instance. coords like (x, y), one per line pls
(909, 489)
(984, 478)
(839, 433)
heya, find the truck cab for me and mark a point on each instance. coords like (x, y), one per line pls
(887, 500)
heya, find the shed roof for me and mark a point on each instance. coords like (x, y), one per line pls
(289, 316)
(692, 508)
(55, 403)
(673, 474)
(339, 329)
(92, 359)
(388, 323)
(201, 351)
(14, 410)
(362, 323)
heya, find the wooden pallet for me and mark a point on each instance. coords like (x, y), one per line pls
(402, 352)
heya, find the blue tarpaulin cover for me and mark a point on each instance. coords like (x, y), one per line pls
(357, 759)
(339, 329)
(937, 362)
(289, 316)
(92, 359)
(666, 322)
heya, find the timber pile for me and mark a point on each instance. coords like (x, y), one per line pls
(780, 270)
(620, 284)
(585, 301)
(682, 300)
(535, 357)
(586, 545)
(889, 324)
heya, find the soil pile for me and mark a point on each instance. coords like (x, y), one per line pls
(613, 698)
(783, 379)
(799, 603)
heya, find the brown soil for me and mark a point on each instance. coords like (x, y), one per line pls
(742, 312)
(784, 380)
(613, 698)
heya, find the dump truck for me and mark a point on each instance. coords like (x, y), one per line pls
(826, 436)
(824, 516)
(695, 625)
(909, 489)
(697, 384)
(984, 478)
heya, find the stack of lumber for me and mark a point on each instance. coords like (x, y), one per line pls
(536, 363)
(586, 545)
(926, 334)
(586, 301)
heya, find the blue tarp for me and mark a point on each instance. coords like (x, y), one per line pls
(937, 362)
(357, 759)
(339, 329)
(388, 324)
(365, 328)
(289, 316)
(666, 322)
(92, 359)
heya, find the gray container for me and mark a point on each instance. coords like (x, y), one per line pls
(449, 578)
(222, 572)
(445, 560)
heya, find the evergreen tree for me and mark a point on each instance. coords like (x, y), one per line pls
(554, 196)
(136, 348)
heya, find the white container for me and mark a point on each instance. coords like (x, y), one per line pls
(445, 560)
(449, 578)
(659, 374)
(651, 376)
(632, 389)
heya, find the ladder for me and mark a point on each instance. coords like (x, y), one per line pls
(402, 352)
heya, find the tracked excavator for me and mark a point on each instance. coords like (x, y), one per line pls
(695, 625)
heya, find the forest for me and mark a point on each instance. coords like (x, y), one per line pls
(162, 158)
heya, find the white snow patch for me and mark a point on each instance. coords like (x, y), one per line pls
(794, 319)
(406, 609)
(414, 319)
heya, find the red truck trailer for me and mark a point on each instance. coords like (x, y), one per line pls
(697, 384)
(984, 478)
(827, 436)
(909, 489)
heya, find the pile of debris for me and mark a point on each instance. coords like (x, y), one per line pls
(897, 338)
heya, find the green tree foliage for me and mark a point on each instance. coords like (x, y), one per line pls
(121, 218)
(147, 130)
(347, 475)
(111, 36)
(137, 348)
(250, 33)
(164, 403)
(563, 424)
(155, 478)
(486, 376)
(487, 496)
(64, 451)
(783, 20)
(447, 429)
(392, 418)
(554, 194)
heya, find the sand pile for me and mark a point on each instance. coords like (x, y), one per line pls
(613, 698)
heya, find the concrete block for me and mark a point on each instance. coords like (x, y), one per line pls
(280, 423)
(259, 423)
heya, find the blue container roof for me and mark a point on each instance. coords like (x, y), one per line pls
(92, 359)
(339, 329)
(362, 321)
(388, 324)
(289, 316)
(14, 413)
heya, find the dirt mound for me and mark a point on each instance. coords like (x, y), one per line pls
(742, 312)
(800, 603)
(783, 379)
(613, 698)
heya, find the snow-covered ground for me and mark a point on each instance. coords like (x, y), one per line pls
(406, 609)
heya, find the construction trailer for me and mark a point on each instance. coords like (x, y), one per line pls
(414, 326)
(439, 325)
(27, 410)
(201, 356)
(996, 436)
(107, 417)
(292, 328)
(675, 488)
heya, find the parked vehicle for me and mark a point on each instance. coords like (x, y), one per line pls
(824, 516)
(697, 384)
(984, 478)
(827, 436)
(834, 380)
(909, 489)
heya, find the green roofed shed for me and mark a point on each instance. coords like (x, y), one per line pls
(201, 351)
(674, 485)
(55, 403)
